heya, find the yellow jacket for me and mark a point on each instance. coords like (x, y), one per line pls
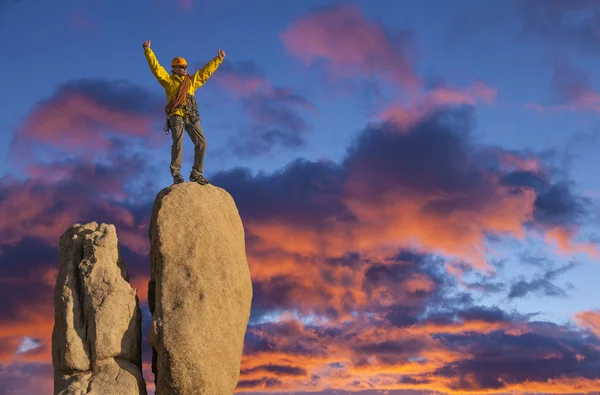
(172, 81)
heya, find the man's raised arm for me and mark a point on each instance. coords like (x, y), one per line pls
(202, 75)
(159, 72)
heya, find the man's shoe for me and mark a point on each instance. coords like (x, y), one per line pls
(199, 179)
(178, 179)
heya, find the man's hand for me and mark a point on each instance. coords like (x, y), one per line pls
(221, 53)
(146, 44)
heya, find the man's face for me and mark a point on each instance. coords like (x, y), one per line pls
(180, 69)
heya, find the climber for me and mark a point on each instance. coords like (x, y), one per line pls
(182, 110)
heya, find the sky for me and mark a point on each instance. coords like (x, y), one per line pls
(417, 181)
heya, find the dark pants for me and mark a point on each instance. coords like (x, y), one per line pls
(176, 125)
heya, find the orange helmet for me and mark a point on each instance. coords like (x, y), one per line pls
(178, 62)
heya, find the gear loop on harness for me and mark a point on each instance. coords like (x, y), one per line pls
(191, 110)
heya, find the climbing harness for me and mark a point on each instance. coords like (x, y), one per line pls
(191, 113)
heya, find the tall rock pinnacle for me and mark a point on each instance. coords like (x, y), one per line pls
(200, 290)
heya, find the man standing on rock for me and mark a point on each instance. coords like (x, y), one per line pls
(182, 109)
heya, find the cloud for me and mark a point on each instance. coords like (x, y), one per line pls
(352, 45)
(242, 77)
(273, 113)
(280, 370)
(276, 115)
(541, 361)
(26, 287)
(589, 319)
(557, 205)
(543, 284)
(81, 116)
(558, 210)
(41, 209)
(26, 378)
(486, 286)
(566, 242)
(398, 287)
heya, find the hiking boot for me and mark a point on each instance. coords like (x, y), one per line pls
(178, 179)
(199, 178)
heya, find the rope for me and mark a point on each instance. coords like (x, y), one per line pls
(178, 99)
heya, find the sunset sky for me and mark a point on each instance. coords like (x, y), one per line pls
(418, 181)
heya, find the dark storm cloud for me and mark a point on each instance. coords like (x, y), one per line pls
(259, 383)
(23, 282)
(556, 203)
(302, 192)
(492, 365)
(434, 156)
(271, 295)
(279, 370)
(112, 94)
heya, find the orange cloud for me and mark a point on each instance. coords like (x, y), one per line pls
(81, 117)
(403, 218)
(140, 283)
(33, 324)
(406, 221)
(566, 243)
(589, 319)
